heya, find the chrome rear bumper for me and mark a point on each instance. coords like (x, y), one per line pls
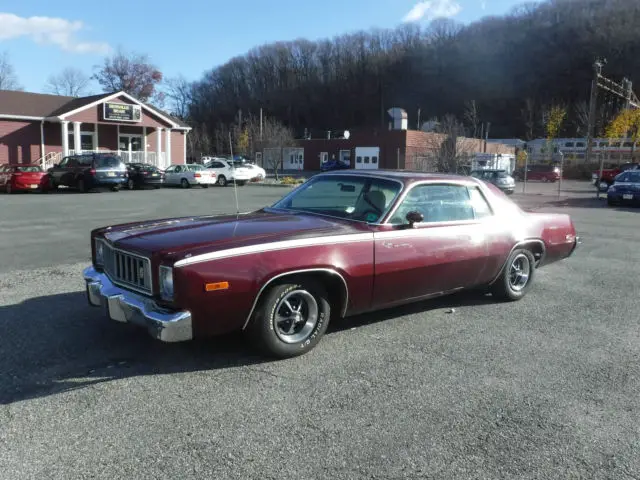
(128, 307)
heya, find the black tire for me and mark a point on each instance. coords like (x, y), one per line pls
(184, 183)
(506, 287)
(269, 336)
(9, 189)
(241, 183)
(156, 187)
(116, 188)
(205, 186)
(82, 188)
(222, 181)
(51, 186)
(131, 184)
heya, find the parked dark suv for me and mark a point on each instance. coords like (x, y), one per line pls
(545, 173)
(87, 171)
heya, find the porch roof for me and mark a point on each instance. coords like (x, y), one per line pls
(39, 106)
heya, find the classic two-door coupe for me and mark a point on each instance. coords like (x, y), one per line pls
(343, 243)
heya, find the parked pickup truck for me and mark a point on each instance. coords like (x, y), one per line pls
(608, 174)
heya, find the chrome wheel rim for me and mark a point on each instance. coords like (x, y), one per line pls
(222, 181)
(519, 272)
(295, 316)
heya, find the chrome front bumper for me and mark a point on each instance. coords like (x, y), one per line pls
(128, 307)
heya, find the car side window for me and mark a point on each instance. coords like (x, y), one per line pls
(178, 169)
(479, 203)
(170, 169)
(437, 203)
(623, 178)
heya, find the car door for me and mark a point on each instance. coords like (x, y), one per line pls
(445, 252)
(170, 175)
(56, 173)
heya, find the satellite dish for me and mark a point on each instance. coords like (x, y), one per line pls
(346, 134)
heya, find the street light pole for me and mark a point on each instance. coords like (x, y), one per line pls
(561, 172)
(526, 168)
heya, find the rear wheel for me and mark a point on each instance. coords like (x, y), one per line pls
(184, 183)
(222, 181)
(290, 318)
(131, 184)
(10, 189)
(82, 188)
(516, 278)
(204, 185)
(545, 179)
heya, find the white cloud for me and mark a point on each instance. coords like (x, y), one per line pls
(430, 9)
(49, 30)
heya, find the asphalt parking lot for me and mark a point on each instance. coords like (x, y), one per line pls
(542, 388)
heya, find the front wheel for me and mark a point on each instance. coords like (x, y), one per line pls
(222, 181)
(290, 319)
(516, 278)
(131, 184)
(9, 189)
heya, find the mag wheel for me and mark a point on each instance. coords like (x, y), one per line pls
(222, 181)
(184, 183)
(130, 184)
(290, 319)
(516, 277)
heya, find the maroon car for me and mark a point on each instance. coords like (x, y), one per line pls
(24, 177)
(341, 244)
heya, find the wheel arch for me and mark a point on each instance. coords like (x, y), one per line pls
(335, 283)
(535, 245)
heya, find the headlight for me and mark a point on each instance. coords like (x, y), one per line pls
(612, 188)
(99, 252)
(166, 283)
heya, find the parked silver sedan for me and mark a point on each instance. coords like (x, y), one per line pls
(500, 178)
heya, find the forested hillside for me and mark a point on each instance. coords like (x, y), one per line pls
(514, 68)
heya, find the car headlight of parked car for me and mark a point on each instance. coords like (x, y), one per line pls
(99, 252)
(612, 188)
(166, 283)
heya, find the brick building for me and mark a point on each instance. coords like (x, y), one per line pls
(39, 128)
(386, 149)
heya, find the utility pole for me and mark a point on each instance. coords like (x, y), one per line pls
(623, 90)
(418, 127)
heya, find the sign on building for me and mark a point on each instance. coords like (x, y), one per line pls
(121, 112)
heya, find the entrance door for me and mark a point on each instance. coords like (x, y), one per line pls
(130, 147)
(324, 158)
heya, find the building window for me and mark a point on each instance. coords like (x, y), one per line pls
(366, 159)
(359, 160)
(374, 159)
(87, 141)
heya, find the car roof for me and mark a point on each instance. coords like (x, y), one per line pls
(405, 176)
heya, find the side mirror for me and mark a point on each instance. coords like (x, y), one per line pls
(414, 217)
(56, 165)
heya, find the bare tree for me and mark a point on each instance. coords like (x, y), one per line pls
(132, 73)
(271, 140)
(179, 93)
(8, 77)
(472, 117)
(581, 118)
(71, 82)
(453, 150)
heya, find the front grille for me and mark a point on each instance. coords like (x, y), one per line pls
(127, 269)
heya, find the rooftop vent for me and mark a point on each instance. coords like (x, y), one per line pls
(398, 118)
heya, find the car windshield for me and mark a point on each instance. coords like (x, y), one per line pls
(29, 169)
(363, 199)
(107, 162)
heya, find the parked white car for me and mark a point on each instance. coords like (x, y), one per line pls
(227, 172)
(258, 173)
(188, 175)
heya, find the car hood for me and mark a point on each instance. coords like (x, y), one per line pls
(175, 237)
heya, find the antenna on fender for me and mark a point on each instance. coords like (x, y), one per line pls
(235, 187)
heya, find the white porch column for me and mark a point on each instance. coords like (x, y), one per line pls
(65, 138)
(160, 161)
(144, 143)
(96, 137)
(168, 145)
(77, 143)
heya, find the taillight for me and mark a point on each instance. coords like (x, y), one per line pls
(92, 171)
(197, 175)
(17, 174)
